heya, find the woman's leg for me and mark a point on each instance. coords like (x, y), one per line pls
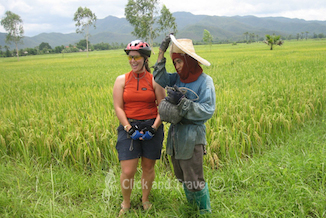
(148, 177)
(128, 170)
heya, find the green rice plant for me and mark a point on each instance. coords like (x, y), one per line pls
(263, 96)
(61, 114)
(60, 109)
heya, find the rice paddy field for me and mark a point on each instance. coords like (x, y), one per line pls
(60, 108)
(56, 112)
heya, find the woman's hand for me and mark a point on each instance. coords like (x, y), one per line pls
(148, 133)
(134, 133)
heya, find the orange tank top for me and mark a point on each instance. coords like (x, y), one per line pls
(139, 96)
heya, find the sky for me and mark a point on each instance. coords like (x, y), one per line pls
(45, 16)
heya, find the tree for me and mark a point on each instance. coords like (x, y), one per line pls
(208, 38)
(307, 35)
(58, 49)
(31, 51)
(45, 47)
(246, 34)
(315, 36)
(84, 19)
(102, 46)
(82, 44)
(251, 37)
(13, 24)
(7, 53)
(321, 35)
(272, 40)
(167, 21)
(141, 15)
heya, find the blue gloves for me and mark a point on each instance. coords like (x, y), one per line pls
(134, 132)
(149, 133)
(174, 95)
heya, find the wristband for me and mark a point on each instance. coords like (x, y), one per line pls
(126, 126)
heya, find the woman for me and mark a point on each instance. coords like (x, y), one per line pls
(140, 134)
(187, 138)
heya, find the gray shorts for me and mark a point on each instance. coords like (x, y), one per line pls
(130, 149)
(190, 172)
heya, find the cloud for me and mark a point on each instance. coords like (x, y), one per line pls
(63, 26)
(2, 9)
(57, 15)
(302, 9)
(19, 5)
(310, 14)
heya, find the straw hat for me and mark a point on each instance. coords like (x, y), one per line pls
(185, 46)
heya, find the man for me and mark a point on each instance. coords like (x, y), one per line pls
(192, 98)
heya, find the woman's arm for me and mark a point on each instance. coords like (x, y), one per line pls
(118, 101)
(160, 94)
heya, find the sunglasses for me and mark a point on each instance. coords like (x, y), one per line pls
(135, 57)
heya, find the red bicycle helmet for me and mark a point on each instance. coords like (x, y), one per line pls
(140, 46)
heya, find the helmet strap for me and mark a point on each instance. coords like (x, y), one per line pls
(145, 60)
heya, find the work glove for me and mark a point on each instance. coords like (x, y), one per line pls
(149, 133)
(134, 132)
(174, 95)
(165, 43)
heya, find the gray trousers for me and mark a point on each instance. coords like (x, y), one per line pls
(190, 172)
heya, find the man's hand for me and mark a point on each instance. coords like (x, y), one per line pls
(174, 95)
(165, 43)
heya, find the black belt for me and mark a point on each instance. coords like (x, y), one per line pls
(133, 120)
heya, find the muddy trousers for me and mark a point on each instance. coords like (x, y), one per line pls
(190, 173)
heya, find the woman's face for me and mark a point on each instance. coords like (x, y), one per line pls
(178, 64)
(136, 62)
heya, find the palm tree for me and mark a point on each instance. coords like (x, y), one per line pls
(251, 37)
(273, 40)
(8, 53)
(246, 34)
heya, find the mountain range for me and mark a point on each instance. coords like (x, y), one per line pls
(118, 30)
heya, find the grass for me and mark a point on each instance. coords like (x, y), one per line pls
(265, 141)
(286, 181)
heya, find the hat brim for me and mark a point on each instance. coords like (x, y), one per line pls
(192, 54)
